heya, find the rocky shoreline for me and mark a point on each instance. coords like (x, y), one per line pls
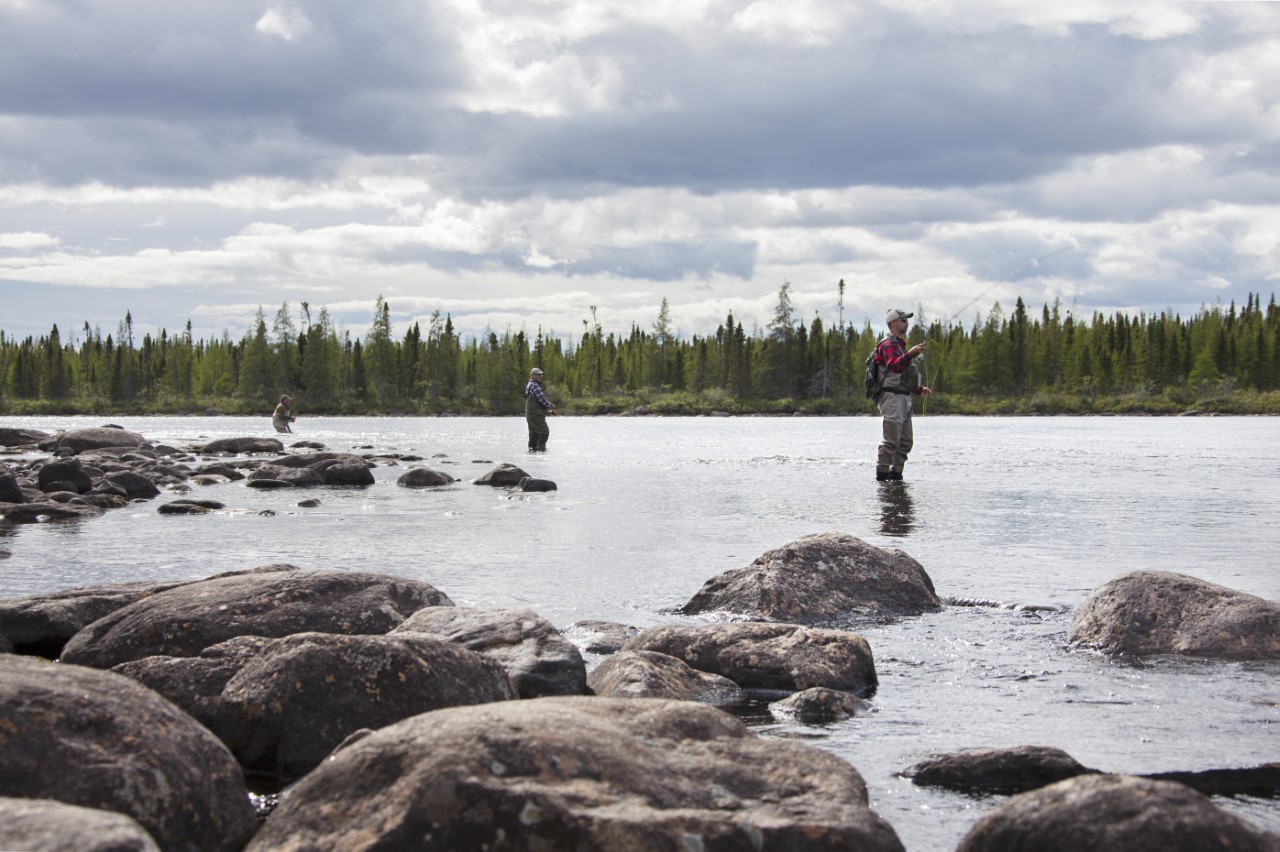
(138, 716)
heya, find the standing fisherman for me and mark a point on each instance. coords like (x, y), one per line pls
(283, 415)
(536, 409)
(900, 380)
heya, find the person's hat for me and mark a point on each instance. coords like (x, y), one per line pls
(897, 314)
(535, 372)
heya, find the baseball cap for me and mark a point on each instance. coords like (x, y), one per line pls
(535, 372)
(897, 314)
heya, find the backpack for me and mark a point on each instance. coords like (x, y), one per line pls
(872, 382)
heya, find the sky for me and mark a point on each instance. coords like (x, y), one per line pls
(547, 164)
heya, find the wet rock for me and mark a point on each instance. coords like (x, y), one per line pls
(183, 621)
(537, 658)
(296, 477)
(788, 657)
(10, 490)
(21, 438)
(42, 624)
(649, 674)
(78, 440)
(317, 461)
(576, 773)
(1261, 781)
(195, 684)
(307, 445)
(99, 740)
(1156, 612)
(531, 484)
(45, 825)
(820, 705)
(997, 770)
(294, 702)
(64, 475)
(237, 446)
(270, 484)
(48, 510)
(223, 470)
(423, 477)
(189, 507)
(1117, 813)
(820, 579)
(135, 485)
(600, 637)
(347, 473)
(502, 476)
(309, 503)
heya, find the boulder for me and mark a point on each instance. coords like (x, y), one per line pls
(820, 579)
(48, 510)
(296, 477)
(272, 484)
(424, 477)
(297, 700)
(78, 440)
(997, 770)
(189, 507)
(10, 490)
(786, 657)
(45, 825)
(600, 637)
(42, 624)
(236, 446)
(11, 437)
(502, 476)
(1156, 612)
(183, 621)
(223, 470)
(99, 740)
(64, 475)
(318, 460)
(576, 773)
(536, 485)
(820, 705)
(195, 684)
(649, 674)
(346, 473)
(537, 658)
(1117, 813)
(135, 485)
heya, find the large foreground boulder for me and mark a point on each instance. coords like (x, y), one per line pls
(301, 696)
(777, 657)
(44, 825)
(99, 740)
(820, 579)
(1116, 813)
(576, 773)
(537, 658)
(1156, 612)
(183, 621)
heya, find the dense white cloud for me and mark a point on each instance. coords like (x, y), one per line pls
(517, 164)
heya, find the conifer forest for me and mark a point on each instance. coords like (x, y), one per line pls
(1017, 360)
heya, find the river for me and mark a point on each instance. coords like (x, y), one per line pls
(1021, 510)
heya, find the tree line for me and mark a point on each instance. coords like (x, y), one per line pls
(1020, 361)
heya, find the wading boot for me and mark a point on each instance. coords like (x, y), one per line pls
(883, 475)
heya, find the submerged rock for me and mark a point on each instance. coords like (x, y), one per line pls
(502, 476)
(576, 773)
(79, 440)
(1157, 612)
(423, 477)
(236, 446)
(997, 770)
(820, 579)
(819, 705)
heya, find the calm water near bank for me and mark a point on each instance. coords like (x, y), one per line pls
(1030, 510)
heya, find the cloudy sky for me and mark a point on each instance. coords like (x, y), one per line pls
(516, 162)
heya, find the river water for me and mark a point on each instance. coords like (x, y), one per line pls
(1021, 510)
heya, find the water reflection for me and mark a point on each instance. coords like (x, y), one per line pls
(897, 513)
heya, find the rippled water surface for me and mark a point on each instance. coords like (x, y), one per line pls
(1029, 510)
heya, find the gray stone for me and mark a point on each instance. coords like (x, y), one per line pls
(45, 825)
(537, 658)
(183, 621)
(297, 477)
(1155, 612)
(825, 578)
(787, 657)
(78, 440)
(135, 485)
(502, 476)
(649, 674)
(423, 477)
(63, 475)
(820, 705)
(600, 637)
(236, 446)
(576, 773)
(997, 770)
(1116, 813)
(99, 740)
(536, 485)
(48, 510)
